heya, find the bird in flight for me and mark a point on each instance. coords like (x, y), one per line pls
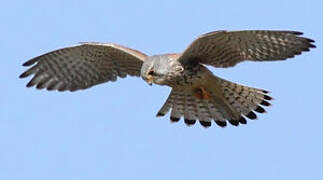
(197, 94)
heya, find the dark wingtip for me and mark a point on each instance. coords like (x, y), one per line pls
(260, 109)
(309, 43)
(265, 103)
(312, 45)
(40, 85)
(267, 97)
(297, 32)
(221, 123)
(305, 50)
(251, 115)
(310, 40)
(205, 124)
(174, 119)
(243, 120)
(234, 122)
(159, 114)
(30, 84)
(189, 122)
(30, 62)
(265, 91)
(23, 75)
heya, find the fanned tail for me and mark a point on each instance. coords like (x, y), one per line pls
(245, 100)
(219, 101)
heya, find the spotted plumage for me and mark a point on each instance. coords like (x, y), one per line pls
(197, 94)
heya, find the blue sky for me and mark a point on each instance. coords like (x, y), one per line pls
(110, 131)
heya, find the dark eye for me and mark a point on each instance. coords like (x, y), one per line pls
(151, 72)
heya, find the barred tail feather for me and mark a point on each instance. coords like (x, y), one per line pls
(182, 103)
(230, 102)
(245, 100)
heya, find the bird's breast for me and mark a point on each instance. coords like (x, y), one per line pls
(189, 77)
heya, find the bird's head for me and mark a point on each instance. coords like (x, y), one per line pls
(160, 69)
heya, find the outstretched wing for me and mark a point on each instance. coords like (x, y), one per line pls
(82, 66)
(227, 48)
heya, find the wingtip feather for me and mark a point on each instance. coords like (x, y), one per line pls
(23, 75)
(30, 62)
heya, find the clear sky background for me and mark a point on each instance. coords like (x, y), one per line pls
(110, 131)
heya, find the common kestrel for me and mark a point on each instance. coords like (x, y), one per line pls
(197, 94)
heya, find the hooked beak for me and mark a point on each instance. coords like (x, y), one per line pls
(149, 79)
